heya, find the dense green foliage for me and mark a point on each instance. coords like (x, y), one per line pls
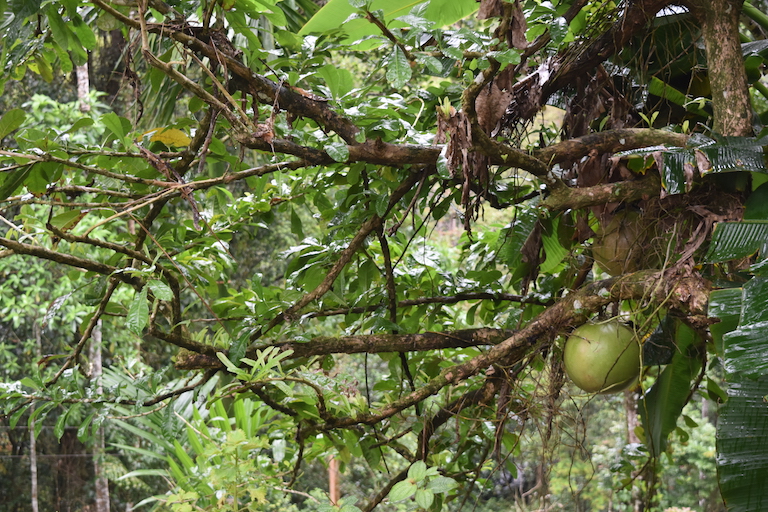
(357, 236)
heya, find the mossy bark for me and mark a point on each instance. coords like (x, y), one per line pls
(725, 63)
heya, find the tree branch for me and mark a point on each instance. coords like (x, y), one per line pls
(609, 141)
(678, 291)
(562, 197)
(69, 260)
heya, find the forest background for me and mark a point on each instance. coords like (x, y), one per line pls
(273, 255)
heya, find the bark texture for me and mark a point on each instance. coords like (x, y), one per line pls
(725, 64)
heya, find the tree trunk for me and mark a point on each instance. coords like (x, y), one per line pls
(32, 465)
(83, 87)
(102, 483)
(731, 104)
(34, 506)
(333, 480)
(630, 406)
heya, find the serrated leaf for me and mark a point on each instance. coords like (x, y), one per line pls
(338, 151)
(399, 69)
(138, 313)
(441, 484)
(424, 498)
(417, 471)
(402, 490)
(10, 121)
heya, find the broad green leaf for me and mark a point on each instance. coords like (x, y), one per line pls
(13, 181)
(756, 206)
(742, 431)
(230, 366)
(509, 56)
(68, 220)
(61, 423)
(666, 91)
(82, 430)
(402, 490)
(724, 305)
(339, 80)
(735, 154)
(554, 251)
(677, 171)
(417, 471)
(513, 238)
(59, 30)
(10, 121)
(338, 151)
(742, 445)
(32, 383)
(16, 416)
(41, 411)
(733, 240)
(83, 32)
(744, 349)
(138, 313)
(424, 498)
(83, 122)
(442, 12)
(296, 224)
(161, 290)
(43, 68)
(120, 126)
(662, 405)
(558, 29)
(238, 347)
(399, 69)
(442, 484)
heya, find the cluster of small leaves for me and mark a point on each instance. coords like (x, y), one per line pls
(425, 485)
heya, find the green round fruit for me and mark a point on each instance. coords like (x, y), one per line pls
(616, 249)
(602, 357)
